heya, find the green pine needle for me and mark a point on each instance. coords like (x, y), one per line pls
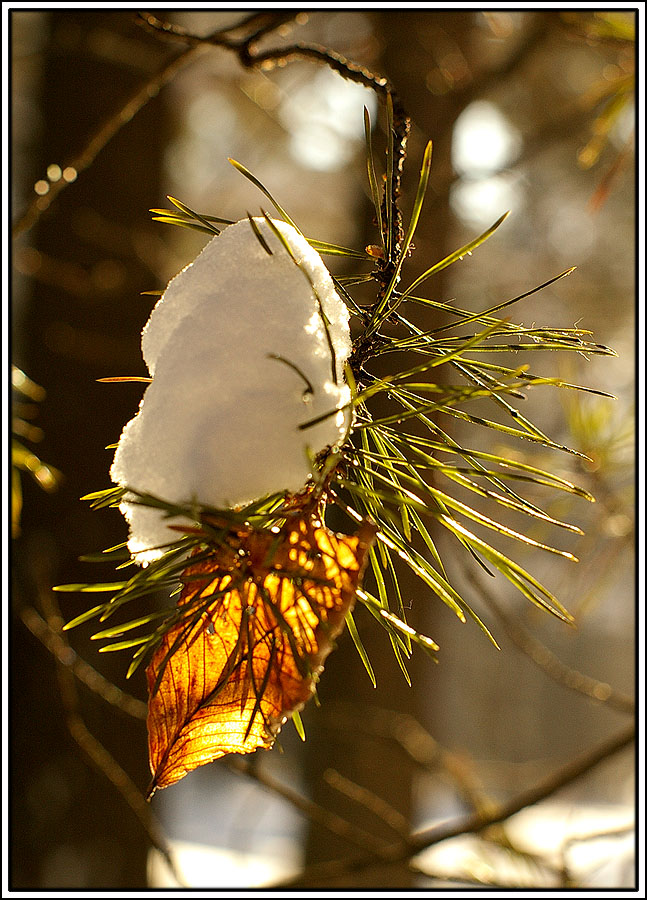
(398, 468)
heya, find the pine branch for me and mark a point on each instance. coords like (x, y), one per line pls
(399, 124)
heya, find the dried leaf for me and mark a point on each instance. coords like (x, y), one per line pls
(231, 672)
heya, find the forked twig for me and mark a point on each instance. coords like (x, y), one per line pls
(245, 49)
(326, 818)
(66, 656)
(473, 823)
(68, 668)
(546, 660)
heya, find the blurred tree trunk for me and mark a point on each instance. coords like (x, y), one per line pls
(82, 322)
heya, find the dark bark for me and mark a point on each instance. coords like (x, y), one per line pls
(81, 322)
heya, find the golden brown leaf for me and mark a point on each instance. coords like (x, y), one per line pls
(261, 615)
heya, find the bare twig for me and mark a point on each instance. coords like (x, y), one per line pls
(332, 822)
(475, 822)
(546, 660)
(619, 832)
(386, 813)
(564, 776)
(68, 657)
(601, 834)
(414, 741)
(103, 136)
(249, 30)
(67, 667)
(108, 766)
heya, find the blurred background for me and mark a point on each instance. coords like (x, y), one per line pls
(530, 112)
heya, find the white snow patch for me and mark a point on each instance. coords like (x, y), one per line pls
(218, 424)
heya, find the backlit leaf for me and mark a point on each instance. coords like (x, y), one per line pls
(227, 679)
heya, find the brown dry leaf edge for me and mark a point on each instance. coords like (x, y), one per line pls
(226, 680)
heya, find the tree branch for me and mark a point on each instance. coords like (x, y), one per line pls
(327, 819)
(102, 137)
(66, 656)
(546, 660)
(471, 824)
(49, 631)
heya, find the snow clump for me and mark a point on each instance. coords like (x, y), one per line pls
(240, 356)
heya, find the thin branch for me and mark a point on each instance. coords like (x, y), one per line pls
(244, 49)
(471, 824)
(567, 774)
(91, 747)
(332, 822)
(411, 738)
(248, 57)
(68, 657)
(601, 834)
(546, 660)
(369, 801)
(110, 768)
(222, 37)
(103, 136)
